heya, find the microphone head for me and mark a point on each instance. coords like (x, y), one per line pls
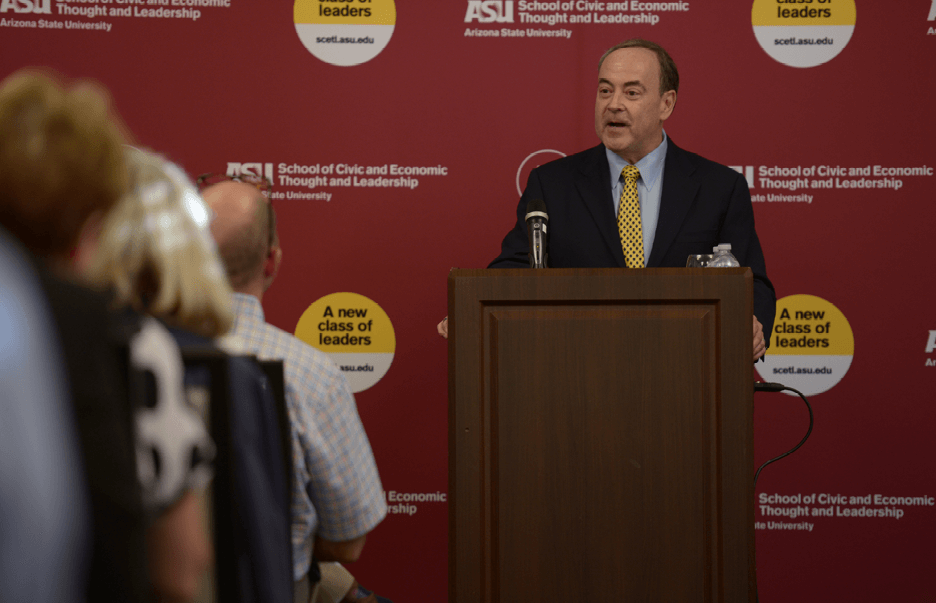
(536, 208)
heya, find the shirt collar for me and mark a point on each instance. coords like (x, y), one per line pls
(651, 166)
(248, 305)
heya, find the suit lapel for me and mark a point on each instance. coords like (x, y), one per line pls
(679, 190)
(593, 183)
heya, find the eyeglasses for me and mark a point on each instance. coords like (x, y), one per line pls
(261, 182)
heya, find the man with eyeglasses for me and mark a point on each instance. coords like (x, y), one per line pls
(337, 496)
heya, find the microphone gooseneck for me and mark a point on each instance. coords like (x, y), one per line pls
(536, 220)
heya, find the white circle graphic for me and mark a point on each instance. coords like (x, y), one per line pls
(344, 45)
(344, 32)
(355, 332)
(534, 160)
(811, 347)
(791, 46)
(803, 33)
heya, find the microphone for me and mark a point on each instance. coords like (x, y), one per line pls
(536, 219)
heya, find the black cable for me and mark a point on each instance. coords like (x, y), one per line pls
(778, 387)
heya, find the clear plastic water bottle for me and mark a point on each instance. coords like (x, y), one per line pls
(698, 260)
(723, 258)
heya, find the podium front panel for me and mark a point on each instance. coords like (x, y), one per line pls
(600, 435)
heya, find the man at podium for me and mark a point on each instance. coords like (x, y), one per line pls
(637, 200)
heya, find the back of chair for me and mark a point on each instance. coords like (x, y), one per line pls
(276, 376)
(217, 414)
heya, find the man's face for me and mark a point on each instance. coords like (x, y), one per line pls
(629, 109)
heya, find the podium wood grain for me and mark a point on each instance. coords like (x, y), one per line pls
(600, 441)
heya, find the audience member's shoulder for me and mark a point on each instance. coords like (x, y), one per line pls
(84, 313)
(310, 358)
(65, 293)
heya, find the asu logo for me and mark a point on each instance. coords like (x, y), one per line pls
(930, 348)
(42, 7)
(932, 15)
(747, 171)
(490, 11)
(250, 169)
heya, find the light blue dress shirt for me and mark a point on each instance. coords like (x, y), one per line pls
(649, 189)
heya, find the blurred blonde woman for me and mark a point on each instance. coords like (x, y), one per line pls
(156, 253)
(148, 253)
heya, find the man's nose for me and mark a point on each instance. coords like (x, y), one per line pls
(617, 102)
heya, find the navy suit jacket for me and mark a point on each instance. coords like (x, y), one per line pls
(703, 204)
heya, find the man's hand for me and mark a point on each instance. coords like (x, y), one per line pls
(442, 327)
(342, 552)
(760, 346)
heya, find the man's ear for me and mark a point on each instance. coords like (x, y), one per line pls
(668, 103)
(272, 263)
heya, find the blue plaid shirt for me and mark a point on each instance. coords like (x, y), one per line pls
(337, 493)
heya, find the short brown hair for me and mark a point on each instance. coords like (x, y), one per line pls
(61, 159)
(245, 251)
(669, 75)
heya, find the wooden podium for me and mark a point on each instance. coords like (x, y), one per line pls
(600, 435)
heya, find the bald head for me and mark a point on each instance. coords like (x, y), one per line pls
(241, 228)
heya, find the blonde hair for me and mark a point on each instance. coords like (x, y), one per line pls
(157, 254)
(61, 159)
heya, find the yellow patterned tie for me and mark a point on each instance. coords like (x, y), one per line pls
(628, 219)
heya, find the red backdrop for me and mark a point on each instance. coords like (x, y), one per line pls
(237, 85)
